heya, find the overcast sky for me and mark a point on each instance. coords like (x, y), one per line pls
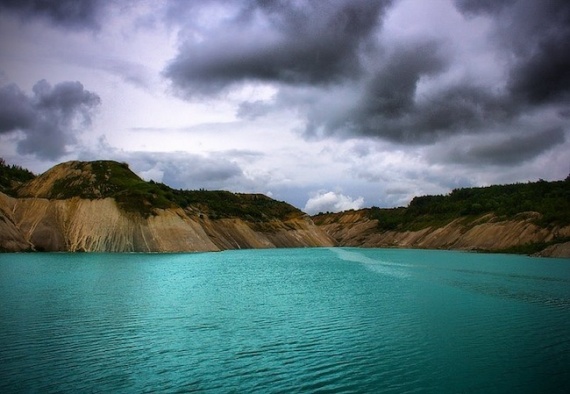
(328, 105)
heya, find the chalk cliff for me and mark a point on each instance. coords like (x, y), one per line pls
(486, 233)
(103, 207)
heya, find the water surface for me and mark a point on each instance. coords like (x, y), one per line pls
(286, 320)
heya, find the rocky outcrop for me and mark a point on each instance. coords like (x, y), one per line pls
(489, 233)
(99, 225)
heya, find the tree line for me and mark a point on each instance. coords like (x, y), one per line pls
(551, 200)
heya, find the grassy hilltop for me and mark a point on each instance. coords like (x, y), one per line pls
(105, 178)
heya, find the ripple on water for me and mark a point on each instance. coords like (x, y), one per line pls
(315, 320)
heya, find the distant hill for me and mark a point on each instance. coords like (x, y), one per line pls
(551, 200)
(520, 218)
(104, 206)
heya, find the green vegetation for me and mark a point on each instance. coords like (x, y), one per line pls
(102, 179)
(12, 176)
(550, 199)
(546, 203)
(222, 204)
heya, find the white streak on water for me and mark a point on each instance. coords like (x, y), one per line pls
(387, 268)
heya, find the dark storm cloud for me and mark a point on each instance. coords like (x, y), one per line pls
(308, 42)
(537, 36)
(545, 75)
(458, 109)
(329, 47)
(507, 151)
(534, 36)
(389, 107)
(70, 14)
(16, 110)
(391, 91)
(49, 119)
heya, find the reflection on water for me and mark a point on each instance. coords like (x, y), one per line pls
(296, 320)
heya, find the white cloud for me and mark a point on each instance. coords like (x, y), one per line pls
(332, 202)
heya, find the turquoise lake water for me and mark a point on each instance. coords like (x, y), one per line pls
(338, 320)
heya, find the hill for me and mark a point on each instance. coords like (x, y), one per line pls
(104, 206)
(110, 179)
(526, 218)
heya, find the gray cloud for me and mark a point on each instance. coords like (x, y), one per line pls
(69, 14)
(536, 34)
(389, 107)
(407, 98)
(209, 173)
(305, 42)
(509, 150)
(458, 109)
(252, 110)
(339, 50)
(536, 40)
(474, 7)
(16, 109)
(49, 119)
(545, 75)
(392, 88)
